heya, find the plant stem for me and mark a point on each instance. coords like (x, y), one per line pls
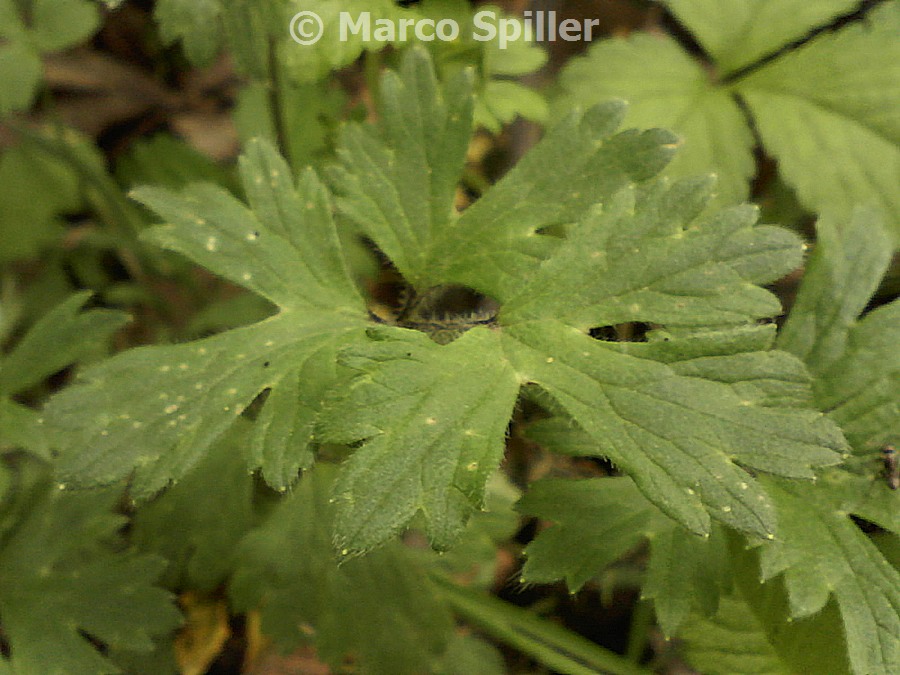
(372, 69)
(276, 102)
(552, 645)
(640, 626)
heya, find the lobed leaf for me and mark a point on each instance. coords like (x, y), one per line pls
(108, 425)
(28, 225)
(284, 247)
(499, 98)
(855, 360)
(382, 607)
(645, 258)
(312, 63)
(495, 242)
(841, 276)
(61, 337)
(737, 33)
(596, 521)
(398, 184)
(748, 634)
(677, 425)
(821, 553)
(195, 23)
(51, 25)
(828, 113)
(197, 524)
(678, 437)
(741, 357)
(63, 586)
(667, 87)
(433, 419)
(685, 576)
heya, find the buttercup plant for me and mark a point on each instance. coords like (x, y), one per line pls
(294, 452)
(645, 256)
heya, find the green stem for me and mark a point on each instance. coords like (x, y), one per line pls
(372, 68)
(554, 646)
(276, 102)
(641, 619)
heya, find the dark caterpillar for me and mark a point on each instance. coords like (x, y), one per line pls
(445, 312)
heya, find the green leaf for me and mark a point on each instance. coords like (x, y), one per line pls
(742, 358)
(429, 418)
(861, 389)
(828, 113)
(668, 88)
(52, 25)
(21, 427)
(434, 419)
(166, 161)
(501, 102)
(20, 72)
(398, 183)
(678, 435)
(197, 524)
(381, 607)
(597, 521)
(856, 366)
(108, 425)
(276, 249)
(309, 63)
(58, 24)
(286, 250)
(684, 575)
(651, 261)
(855, 360)
(310, 116)
(28, 225)
(752, 630)
(821, 553)
(738, 32)
(64, 580)
(244, 27)
(61, 337)
(841, 276)
(493, 245)
(498, 99)
(195, 23)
